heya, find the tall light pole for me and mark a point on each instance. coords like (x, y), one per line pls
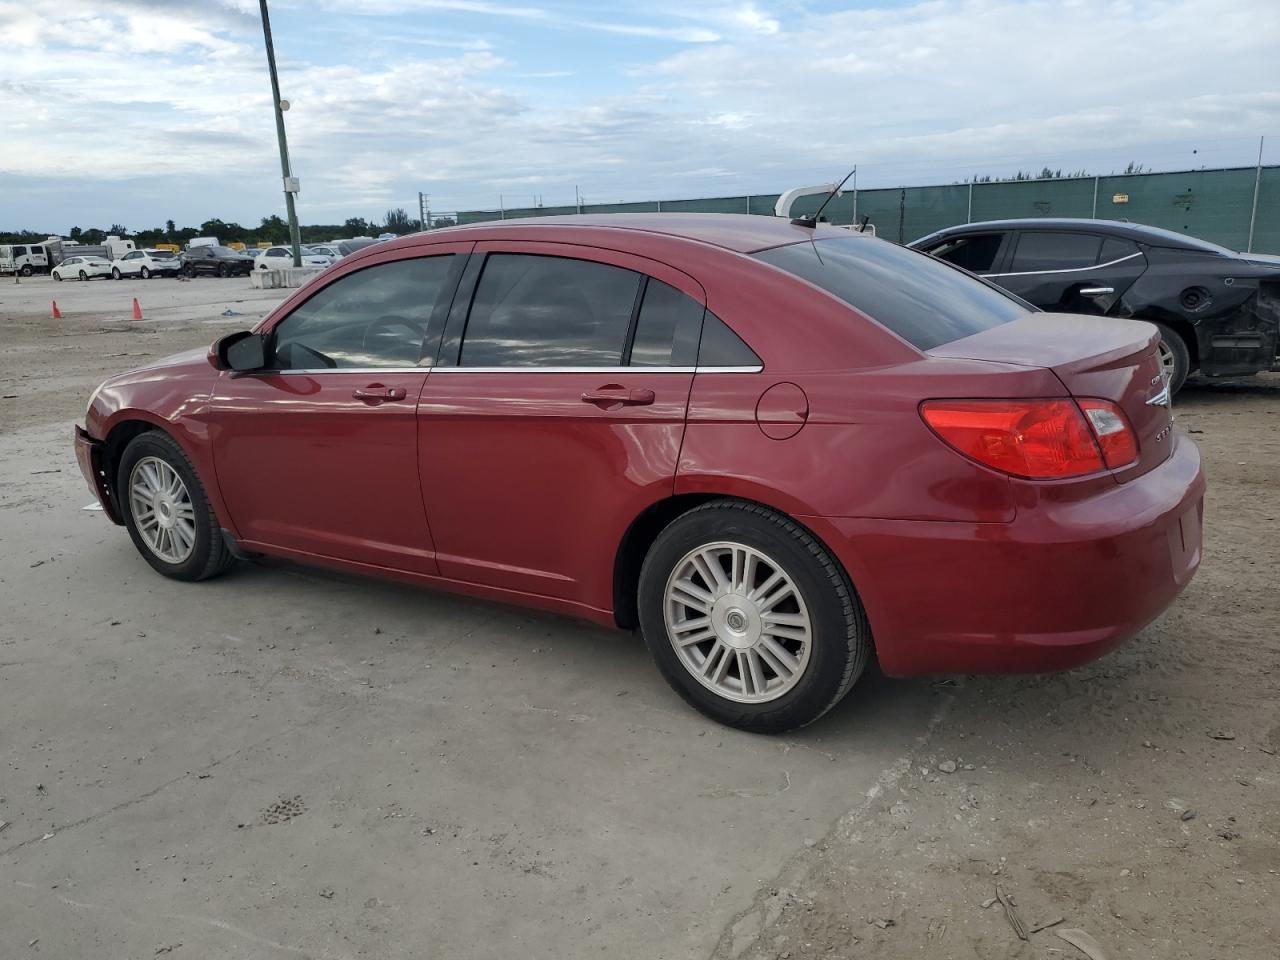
(290, 182)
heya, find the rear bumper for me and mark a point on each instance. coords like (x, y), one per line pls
(1052, 589)
(89, 456)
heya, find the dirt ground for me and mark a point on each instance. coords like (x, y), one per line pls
(199, 771)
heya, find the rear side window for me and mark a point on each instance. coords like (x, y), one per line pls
(1041, 251)
(975, 253)
(1114, 249)
(667, 328)
(925, 302)
(537, 311)
(376, 317)
(721, 347)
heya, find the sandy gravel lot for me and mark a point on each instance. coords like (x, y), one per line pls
(290, 763)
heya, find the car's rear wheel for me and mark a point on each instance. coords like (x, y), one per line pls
(188, 271)
(83, 275)
(750, 619)
(115, 273)
(167, 512)
(145, 273)
(26, 270)
(1175, 358)
(222, 270)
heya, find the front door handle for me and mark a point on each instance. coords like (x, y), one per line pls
(376, 393)
(613, 395)
(1096, 291)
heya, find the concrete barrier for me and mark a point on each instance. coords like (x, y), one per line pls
(282, 278)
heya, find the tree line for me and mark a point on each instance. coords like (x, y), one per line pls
(272, 229)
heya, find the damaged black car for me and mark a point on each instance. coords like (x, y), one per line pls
(1218, 311)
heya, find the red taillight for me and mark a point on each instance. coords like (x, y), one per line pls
(1115, 436)
(1039, 439)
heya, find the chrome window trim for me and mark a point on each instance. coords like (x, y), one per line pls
(1096, 266)
(367, 371)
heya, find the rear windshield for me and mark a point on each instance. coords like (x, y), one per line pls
(921, 299)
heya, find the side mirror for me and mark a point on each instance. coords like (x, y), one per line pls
(243, 351)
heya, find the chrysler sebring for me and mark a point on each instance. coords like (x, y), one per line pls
(777, 449)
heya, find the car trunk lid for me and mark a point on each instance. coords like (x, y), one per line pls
(1101, 357)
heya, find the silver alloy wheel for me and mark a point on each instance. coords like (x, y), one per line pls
(737, 622)
(162, 509)
(1168, 361)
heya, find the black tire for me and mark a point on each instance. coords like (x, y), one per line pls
(145, 273)
(116, 274)
(1172, 341)
(841, 641)
(57, 276)
(83, 275)
(26, 270)
(209, 556)
(187, 271)
(222, 270)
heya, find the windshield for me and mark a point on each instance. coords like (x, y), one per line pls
(224, 252)
(349, 247)
(925, 301)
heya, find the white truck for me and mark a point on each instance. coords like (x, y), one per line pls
(25, 258)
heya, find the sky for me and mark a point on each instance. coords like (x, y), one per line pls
(138, 111)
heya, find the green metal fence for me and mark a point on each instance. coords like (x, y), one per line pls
(1215, 205)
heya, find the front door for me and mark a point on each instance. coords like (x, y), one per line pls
(555, 413)
(1068, 272)
(318, 454)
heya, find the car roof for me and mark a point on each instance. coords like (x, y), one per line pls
(739, 232)
(1139, 232)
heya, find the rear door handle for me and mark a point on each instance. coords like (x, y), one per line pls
(376, 393)
(612, 395)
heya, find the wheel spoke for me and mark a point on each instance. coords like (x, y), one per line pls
(777, 597)
(774, 579)
(708, 564)
(756, 671)
(692, 595)
(747, 573)
(782, 661)
(713, 657)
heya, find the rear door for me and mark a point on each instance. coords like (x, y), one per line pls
(1071, 271)
(555, 413)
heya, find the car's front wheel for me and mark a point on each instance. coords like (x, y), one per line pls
(57, 276)
(115, 273)
(83, 275)
(750, 619)
(145, 274)
(167, 512)
(1175, 358)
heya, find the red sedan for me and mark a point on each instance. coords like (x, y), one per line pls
(777, 449)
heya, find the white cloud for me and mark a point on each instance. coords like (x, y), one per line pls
(116, 90)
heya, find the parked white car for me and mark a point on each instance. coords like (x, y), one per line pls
(276, 257)
(328, 250)
(86, 268)
(146, 264)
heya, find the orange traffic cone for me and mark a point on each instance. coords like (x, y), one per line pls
(57, 314)
(137, 310)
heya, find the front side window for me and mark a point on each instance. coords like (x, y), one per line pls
(539, 311)
(975, 253)
(1039, 251)
(376, 317)
(925, 302)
